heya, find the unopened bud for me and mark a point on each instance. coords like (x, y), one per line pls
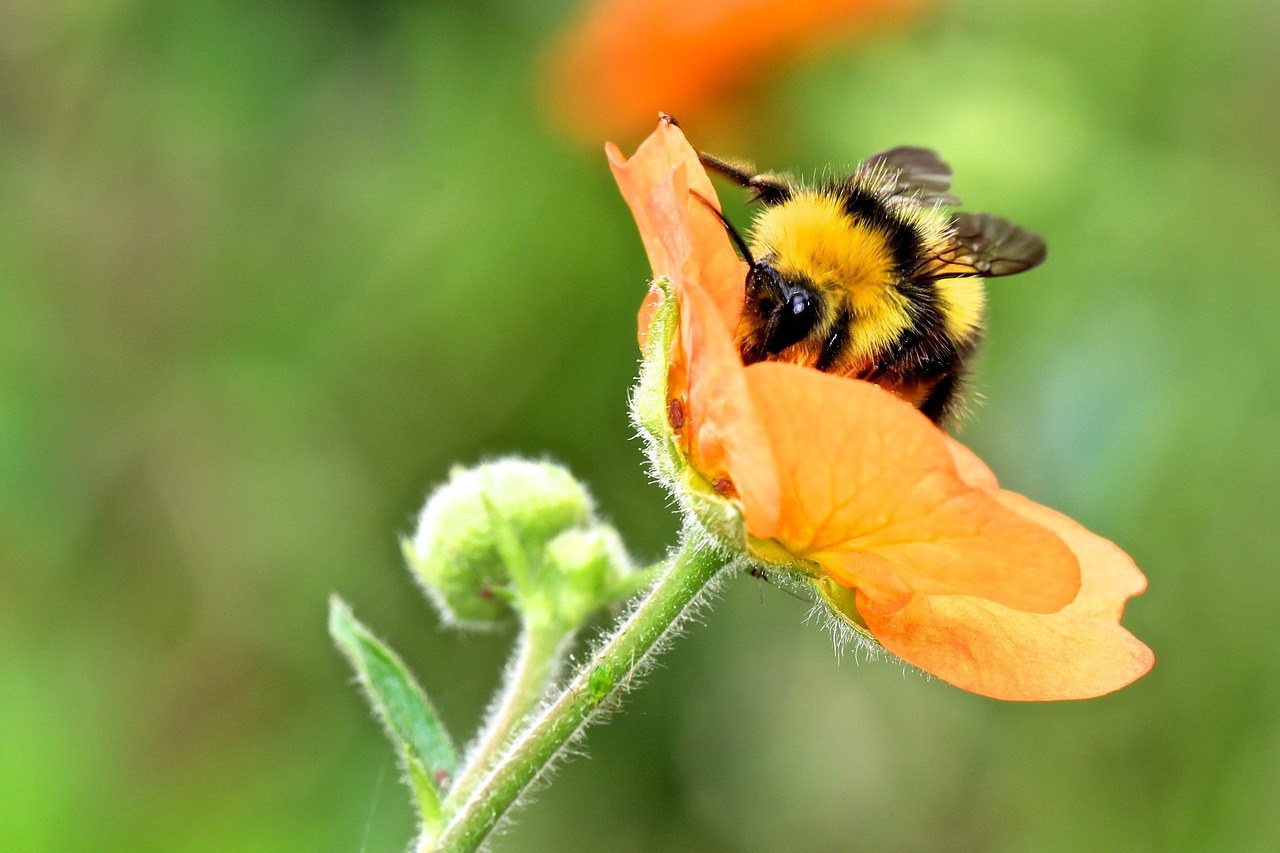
(469, 528)
(583, 570)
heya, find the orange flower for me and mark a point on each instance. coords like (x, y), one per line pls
(905, 533)
(626, 57)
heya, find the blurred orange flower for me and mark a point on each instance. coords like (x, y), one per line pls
(907, 535)
(625, 58)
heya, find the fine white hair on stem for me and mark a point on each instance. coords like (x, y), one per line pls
(649, 626)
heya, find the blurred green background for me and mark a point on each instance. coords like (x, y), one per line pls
(267, 269)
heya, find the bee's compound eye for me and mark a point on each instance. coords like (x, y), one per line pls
(792, 317)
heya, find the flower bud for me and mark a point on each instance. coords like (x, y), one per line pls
(482, 534)
(583, 569)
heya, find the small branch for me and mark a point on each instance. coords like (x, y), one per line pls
(536, 660)
(610, 669)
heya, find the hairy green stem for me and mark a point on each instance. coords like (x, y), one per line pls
(609, 670)
(536, 660)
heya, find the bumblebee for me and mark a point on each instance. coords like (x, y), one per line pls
(868, 276)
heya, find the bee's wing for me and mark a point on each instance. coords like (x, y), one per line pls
(916, 172)
(991, 246)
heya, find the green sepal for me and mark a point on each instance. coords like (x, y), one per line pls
(419, 736)
(506, 539)
(649, 396)
(719, 516)
(841, 604)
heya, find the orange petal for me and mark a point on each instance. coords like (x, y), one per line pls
(1108, 576)
(684, 241)
(980, 646)
(727, 436)
(972, 469)
(870, 491)
(628, 58)
(649, 167)
(1114, 577)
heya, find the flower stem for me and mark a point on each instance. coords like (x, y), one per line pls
(609, 670)
(531, 670)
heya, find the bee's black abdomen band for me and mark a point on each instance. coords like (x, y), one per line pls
(905, 242)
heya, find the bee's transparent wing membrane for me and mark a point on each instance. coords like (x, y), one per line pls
(916, 173)
(991, 246)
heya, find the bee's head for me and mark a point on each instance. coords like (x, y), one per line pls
(777, 310)
(776, 313)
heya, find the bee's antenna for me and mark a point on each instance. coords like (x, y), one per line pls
(728, 226)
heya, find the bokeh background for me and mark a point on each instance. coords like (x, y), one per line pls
(267, 269)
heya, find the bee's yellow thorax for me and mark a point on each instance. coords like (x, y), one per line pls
(811, 237)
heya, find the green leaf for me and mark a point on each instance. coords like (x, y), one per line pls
(412, 724)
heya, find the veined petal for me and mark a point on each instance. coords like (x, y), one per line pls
(1077, 653)
(1108, 576)
(1113, 577)
(869, 491)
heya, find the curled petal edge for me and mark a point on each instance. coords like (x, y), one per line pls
(1078, 653)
